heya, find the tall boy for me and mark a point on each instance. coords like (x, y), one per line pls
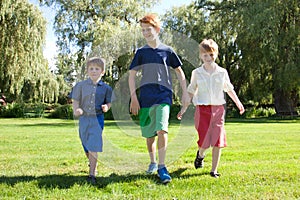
(155, 60)
(92, 98)
(207, 87)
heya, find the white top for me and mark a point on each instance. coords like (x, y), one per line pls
(208, 89)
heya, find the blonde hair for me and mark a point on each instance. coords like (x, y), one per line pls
(100, 62)
(151, 19)
(209, 46)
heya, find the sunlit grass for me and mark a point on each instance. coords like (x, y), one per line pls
(43, 159)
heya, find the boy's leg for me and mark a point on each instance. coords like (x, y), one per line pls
(216, 154)
(201, 152)
(93, 156)
(162, 146)
(151, 146)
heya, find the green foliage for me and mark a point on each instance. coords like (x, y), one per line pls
(258, 45)
(62, 112)
(24, 73)
(12, 110)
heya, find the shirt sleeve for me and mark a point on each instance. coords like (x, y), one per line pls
(227, 84)
(108, 96)
(174, 60)
(135, 64)
(76, 92)
(193, 84)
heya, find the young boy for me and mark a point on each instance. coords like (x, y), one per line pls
(91, 98)
(207, 87)
(155, 60)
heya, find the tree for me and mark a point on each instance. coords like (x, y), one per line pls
(23, 69)
(199, 23)
(267, 37)
(85, 26)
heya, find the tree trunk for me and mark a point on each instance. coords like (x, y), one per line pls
(285, 103)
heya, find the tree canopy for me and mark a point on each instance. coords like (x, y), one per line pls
(24, 71)
(258, 42)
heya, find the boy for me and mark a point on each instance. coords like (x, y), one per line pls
(92, 98)
(153, 105)
(207, 87)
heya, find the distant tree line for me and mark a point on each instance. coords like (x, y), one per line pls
(259, 45)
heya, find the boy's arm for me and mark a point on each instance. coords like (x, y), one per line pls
(185, 99)
(134, 104)
(236, 100)
(76, 110)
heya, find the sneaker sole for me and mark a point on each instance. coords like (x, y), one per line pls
(164, 181)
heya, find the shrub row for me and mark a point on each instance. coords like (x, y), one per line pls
(16, 110)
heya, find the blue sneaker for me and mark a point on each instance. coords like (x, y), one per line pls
(164, 176)
(152, 168)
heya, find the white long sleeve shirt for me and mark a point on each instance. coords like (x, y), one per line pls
(208, 89)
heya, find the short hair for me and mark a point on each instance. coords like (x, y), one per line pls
(151, 19)
(209, 46)
(100, 62)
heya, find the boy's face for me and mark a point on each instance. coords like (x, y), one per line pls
(149, 32)
(208, 58)
(95, 72)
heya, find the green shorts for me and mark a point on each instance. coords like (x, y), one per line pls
(154, 119)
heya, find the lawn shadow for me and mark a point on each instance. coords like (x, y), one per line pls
(65, 181)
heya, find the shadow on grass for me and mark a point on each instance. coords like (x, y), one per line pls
(65, 181)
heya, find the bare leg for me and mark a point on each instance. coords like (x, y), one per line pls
(162, 146)
(93, 156)
(216, 154)
(201, 152)
(151, 146)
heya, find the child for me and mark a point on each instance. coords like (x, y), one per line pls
(91, 98)
(153, 105)
(207, 87)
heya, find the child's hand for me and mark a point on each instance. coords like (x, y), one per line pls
(78, 112)
(105, 108)
(181, 112)
(241, 108)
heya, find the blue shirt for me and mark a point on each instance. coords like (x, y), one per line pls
(156, 82)
(91, 97)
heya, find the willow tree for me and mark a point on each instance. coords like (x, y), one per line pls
(22, 38)
(86, 25)
(266, 33)
(270, 42)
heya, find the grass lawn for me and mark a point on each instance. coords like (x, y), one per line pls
(43, 159)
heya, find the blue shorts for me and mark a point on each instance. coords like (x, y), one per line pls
(90, 132)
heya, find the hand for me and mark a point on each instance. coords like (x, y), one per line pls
(181, 112)
(78, 112)
(104, 108)
(241, 108)
(134, 106)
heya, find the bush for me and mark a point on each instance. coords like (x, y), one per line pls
(62, 112)
(12, 110)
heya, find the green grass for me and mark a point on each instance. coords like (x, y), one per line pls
(43, 159)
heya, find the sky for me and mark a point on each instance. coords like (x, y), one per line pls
(50, 50)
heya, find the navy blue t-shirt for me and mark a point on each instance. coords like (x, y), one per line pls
(156, 82)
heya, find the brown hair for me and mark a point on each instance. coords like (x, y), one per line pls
(100, 62)
(151, 19)
(209, 46)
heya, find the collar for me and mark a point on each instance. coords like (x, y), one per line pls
(100, 82)
(203, 71)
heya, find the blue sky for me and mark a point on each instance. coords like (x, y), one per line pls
(50, 48)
